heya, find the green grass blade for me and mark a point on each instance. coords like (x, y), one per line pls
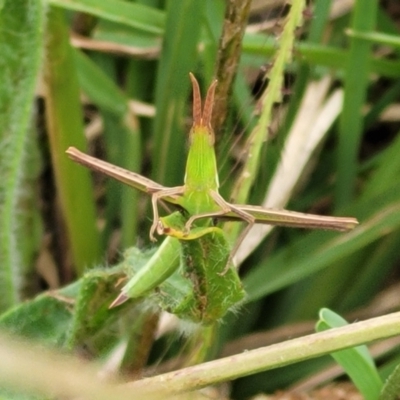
(356, 361)
(315, 54)
(355, 85)
(180, 43)
(140, 83)
(377, 264)
(138, 16)
(21, 55)
(122, 140)
(375, 37)
(385, 174)
(353, 281)
(99, 87)
(293, 263)
(65, 128)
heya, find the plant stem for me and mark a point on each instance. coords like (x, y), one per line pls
(267, 358)
(229, 51)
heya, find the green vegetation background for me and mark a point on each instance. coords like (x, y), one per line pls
(57, 221)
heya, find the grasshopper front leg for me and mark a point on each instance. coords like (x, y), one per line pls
(225, 208)
(155, 198)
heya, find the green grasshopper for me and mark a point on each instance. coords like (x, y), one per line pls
(199, 195)
(201, 202)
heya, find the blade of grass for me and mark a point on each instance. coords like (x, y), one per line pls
(375, 37)
(123, 147)
(99, 87)
(356, 361)
(385, 174)
(354, 280)
(122, 142)
(377, 265)
(139, 85)
(182, 32)
(294, 263)
(355, 87)
(65, 128)
(138, 16)
(258, 48)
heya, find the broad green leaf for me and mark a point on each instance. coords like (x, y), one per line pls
(21, 56)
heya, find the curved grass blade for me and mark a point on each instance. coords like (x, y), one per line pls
(355, 85)
(356, 361)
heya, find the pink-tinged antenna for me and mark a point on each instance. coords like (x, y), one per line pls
(209, 105)
(197, 120)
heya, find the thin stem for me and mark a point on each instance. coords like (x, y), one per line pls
(267, 358)
(230, 48)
